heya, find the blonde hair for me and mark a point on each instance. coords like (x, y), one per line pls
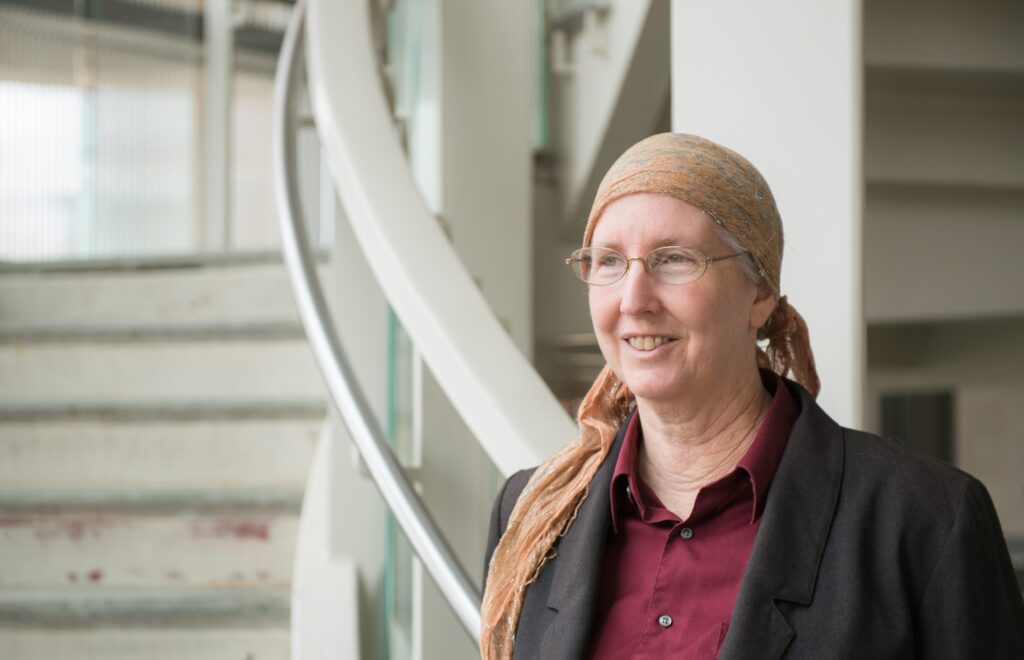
(734, 195)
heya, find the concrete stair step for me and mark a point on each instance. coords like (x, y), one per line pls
(144, 610)
(187, 290)
(149, 501)
(83, 412)
(199, 624)
(157, 372)
(88, 550)
(157, 421)
(157, 463)
(170, 332)
(153, 644)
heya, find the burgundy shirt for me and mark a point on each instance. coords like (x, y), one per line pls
(668, 585)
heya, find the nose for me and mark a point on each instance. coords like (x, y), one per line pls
(638, 289)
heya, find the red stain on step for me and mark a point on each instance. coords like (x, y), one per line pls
(74, 528)
(7, 522)
(237, 528)
(95, 575)
(245, 529)
(72, 576)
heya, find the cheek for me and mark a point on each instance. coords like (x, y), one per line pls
(716, 316)
(604, 314)
(602, 308)
(727, 322)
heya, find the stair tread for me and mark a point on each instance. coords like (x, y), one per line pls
(198, 409)
(11, 332)
(143, 550)
(242, 293)
(207, 499)
(92, 607)
(159, 371)
(150, 263)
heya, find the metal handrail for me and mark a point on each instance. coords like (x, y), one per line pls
(352, 405)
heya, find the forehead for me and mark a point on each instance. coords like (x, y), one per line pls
(646, 219)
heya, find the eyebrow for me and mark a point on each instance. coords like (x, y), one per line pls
(661, 242)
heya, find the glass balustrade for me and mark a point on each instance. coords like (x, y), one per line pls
(404, 37)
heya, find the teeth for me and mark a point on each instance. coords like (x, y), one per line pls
(646, 343)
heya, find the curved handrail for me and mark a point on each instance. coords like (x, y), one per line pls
(352, 405)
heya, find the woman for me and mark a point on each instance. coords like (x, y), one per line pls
(709, 507)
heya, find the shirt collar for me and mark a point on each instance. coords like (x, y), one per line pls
(764, 454)
(625, 476)
(759, 463)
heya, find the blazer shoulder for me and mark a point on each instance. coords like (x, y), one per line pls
(501, 511)
(509, 495)
(878, 467)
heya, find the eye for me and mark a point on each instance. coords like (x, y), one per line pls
(672, 257)
(609, 260)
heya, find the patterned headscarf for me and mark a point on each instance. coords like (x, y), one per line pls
(731, 191)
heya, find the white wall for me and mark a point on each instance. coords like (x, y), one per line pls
(969, 36)
(937, 254)
(980, 363)
(780, 82)
(943, 160)
(988, 446)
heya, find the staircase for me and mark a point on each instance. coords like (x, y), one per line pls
(157, 421)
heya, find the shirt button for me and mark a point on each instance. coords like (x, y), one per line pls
(664, 621)
(686, 533)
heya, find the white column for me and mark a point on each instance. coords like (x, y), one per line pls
(781, 83)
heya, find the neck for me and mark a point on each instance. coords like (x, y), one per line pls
(687, 447)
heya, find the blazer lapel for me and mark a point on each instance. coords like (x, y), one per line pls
(787, 552)
(577, 567)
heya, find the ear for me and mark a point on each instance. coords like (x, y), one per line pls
(764, 305)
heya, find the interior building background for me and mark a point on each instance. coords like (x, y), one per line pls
(161, 411)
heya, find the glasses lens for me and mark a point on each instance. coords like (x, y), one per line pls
(676, 265)
(598, 265)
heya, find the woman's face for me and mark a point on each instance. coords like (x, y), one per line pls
(708, 327)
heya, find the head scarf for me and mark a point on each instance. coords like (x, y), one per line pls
(731, 191)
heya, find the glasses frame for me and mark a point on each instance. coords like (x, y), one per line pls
(704, 260)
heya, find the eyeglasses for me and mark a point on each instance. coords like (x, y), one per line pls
(670, 264)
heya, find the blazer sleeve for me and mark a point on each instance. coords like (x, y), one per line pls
(971, 606)
(501, 511)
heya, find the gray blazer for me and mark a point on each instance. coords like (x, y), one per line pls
(866, 550)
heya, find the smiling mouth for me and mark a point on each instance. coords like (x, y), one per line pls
(647, 342)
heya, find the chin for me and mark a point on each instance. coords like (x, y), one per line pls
(654, 388)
